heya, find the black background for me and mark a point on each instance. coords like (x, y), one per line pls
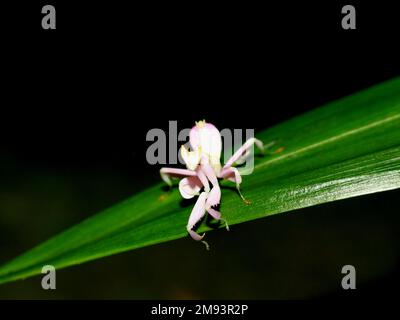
(80, 99)
(91, 89)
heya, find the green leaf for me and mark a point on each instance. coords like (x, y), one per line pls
(347, 148)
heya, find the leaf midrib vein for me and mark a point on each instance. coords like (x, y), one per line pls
(329, 140)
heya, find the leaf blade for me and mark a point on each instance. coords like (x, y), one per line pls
(347, 148)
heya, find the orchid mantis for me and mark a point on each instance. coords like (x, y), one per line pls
(203, 169)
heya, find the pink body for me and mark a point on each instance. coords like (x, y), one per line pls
(204, 168)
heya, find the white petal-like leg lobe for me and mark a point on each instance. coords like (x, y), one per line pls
(203, 178)
(214, 197)
(214, 213)
(243, 158)
(198, 212)
(190, 187)
(210, 173)
(243, 152)
(231, 174)
(168, 173)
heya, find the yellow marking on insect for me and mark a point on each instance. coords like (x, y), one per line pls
(200, 124)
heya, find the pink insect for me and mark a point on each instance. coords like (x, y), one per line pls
(204, 167)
